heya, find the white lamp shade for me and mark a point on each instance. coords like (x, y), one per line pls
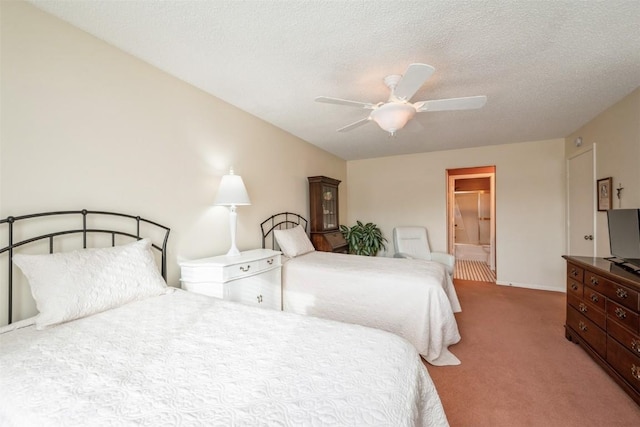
(232, 191)
(393, 115)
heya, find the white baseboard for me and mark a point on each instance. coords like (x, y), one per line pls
(531, 286)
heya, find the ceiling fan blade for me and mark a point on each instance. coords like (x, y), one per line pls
(449, 104)
(412, 80)
(354, 125)
(364, 105)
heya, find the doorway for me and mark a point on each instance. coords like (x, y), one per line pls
(471, 222)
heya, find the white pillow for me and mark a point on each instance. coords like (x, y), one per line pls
(71, 285)
(293, 241)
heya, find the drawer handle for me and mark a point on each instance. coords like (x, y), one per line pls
(259, 299)
(594, 281)
(621, 313)
(574, 272)
(582, 326)
(635, 345)
(583, 307)
(635, 371)
(270, 261)
(245, 269)
(574, 286)
(621, 293)
(594, 298)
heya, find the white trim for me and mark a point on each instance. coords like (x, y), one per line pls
(531, 286)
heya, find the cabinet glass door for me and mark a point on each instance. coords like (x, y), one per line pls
(329, 207)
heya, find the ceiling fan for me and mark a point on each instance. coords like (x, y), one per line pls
(393, 114)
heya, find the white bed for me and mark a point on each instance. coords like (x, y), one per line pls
(113, 345)
(188, 359)
(414, 299)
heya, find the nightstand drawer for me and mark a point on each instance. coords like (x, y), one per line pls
(262, 290)
(271, 262)
(240, 270)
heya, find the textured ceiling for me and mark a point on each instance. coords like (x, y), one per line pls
(547, 67)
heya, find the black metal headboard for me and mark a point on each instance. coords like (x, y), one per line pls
(11, 224)
(280, 221)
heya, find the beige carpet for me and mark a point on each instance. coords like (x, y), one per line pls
(473, 270)
(518, 369)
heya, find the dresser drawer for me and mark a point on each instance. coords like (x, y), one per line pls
(625, 337)
(622, 295)
(594, 280)
(575, 272)
(574, 287)
(592, 312)
(595, 298)
(623, 315)
(614, 291)
(624, 362)
(588, 331)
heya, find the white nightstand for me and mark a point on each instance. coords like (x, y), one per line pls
(252, 278)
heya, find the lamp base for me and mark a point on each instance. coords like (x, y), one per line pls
(233, 252)
(233, 219)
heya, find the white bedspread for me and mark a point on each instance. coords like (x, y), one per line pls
(191, 360)
(414, 299)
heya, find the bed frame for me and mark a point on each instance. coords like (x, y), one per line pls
(279, 221)
(12, 224)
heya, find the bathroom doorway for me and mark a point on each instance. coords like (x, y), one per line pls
(471, 222)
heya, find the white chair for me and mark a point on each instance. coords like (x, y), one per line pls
(412, 242)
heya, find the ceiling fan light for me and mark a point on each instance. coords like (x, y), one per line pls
(392, 116)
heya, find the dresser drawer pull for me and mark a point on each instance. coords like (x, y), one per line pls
(635, 345)
(582, 326)
(620, 313)
(574, 286)
(245, 269)
(259, 297)
(574, 272)
(594, 298)
(270, 261)
(635, 371)
(594, 281)
(621, 293)
(583, 307)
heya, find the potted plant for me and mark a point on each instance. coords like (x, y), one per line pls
(364, 239)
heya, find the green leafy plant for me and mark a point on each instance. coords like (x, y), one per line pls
(364, 239)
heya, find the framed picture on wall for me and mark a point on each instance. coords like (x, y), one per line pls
(604, 194)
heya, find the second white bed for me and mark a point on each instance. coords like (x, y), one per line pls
(414, 299)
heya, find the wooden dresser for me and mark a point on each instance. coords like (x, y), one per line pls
(603, 309)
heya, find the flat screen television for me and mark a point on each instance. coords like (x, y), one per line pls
(624, 235)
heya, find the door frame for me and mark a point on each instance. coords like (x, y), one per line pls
(466, 173)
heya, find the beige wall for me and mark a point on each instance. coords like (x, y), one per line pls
(84, 125)
(616, 134)
(530, 200)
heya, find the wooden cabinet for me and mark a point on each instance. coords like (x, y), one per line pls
(252, 278)
(324, 212)
(603, 315)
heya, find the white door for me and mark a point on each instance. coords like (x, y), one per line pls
(581, 188)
